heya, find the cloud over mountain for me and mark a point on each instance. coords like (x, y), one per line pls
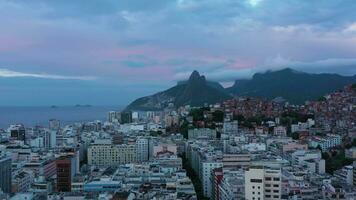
(142, 41)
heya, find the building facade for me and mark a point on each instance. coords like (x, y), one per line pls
(109, 155)
(5, 173)
(263, 183)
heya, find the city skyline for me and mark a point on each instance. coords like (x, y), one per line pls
(110, 52)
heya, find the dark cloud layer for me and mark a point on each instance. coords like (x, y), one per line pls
(134, 44)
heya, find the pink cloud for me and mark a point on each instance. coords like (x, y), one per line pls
(9, 44)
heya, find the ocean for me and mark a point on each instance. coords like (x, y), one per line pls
(40, 115)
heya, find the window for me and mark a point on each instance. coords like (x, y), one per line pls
(275, 185)
(268, 178)
(276, 179)
(275, 191)
(256, 180)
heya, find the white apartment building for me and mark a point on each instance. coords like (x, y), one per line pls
(50, 139)
(206, 175)
(142, 145)
(108, 155)
(311, 159)
(113, 117)
(230, 127)
(350, 153)
(280, 131)
(21, 181)
(345, 174)
(299, 127)
(263, 183)
(236, 160)
(232, 185)
(325, 143)
(201, 132)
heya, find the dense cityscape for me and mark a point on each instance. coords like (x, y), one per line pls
(177, 99)
(243, 148)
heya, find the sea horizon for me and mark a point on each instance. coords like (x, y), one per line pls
(31, 116)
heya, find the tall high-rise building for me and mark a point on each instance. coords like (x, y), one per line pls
(217, 176)
(54, 124)
(354, 173)
(114, 117)
(263, 183)
(5, 173)
(18, 132)
(50, 139)
(126, 117)
(206, 175)
(64, 173)
(135, 116)
(142, 146)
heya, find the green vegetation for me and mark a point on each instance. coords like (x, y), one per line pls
(251, 121)
(350, 144)
(335, 160)
(218, 116)
(353, 86)
(322, 98)
(195, 179)
(239, 118)
(183, 129)
(198, 114)
(209, 121)
(292, 117)
(155, 133)
(295, 135)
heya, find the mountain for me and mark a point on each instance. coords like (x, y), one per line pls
(212, 84)
(196, 91)
(293, 86)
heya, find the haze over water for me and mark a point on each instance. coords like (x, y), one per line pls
(39, 115)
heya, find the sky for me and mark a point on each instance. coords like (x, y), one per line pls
(109, 52)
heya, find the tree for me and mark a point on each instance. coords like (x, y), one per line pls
(294, 136)
(218, 116)
(325, 156)
(353, 86)
(183, 129)
(322, 98)
(240, 118)
(336, 161)
(218, 135)
(194, 177)
(197, 114)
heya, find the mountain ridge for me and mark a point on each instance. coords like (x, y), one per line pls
(196, 91)
(294, 86)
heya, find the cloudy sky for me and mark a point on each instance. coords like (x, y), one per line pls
(108, 52)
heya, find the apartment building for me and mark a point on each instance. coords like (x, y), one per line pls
(263, 183)
(109, 155)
